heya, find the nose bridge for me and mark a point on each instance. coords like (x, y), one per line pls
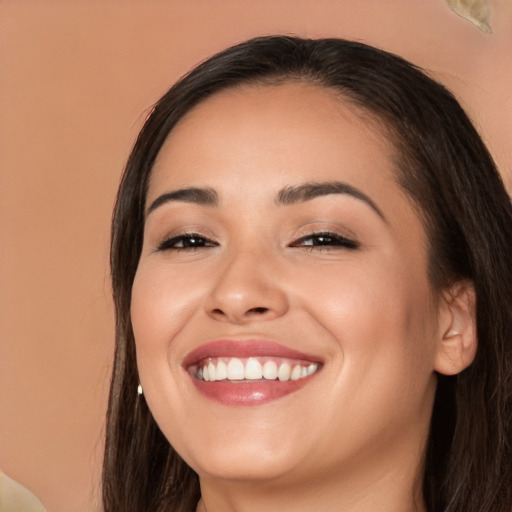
(246, 287)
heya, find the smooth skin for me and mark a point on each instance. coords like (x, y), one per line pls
(339, 276)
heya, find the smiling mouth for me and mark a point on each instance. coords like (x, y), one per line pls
(264, 368)
(249, 372)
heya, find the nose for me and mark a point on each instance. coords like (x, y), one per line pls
(246, 291)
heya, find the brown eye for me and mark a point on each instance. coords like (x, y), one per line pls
(325, 240)
(187, 241)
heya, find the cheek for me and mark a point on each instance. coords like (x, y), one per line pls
(381, 314)
(160, 308)
(384, 324)
(161, 304)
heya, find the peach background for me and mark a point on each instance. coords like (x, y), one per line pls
(76, 80)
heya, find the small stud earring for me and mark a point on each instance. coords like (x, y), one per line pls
(139, 390)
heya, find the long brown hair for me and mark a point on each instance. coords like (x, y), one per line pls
(445, 168)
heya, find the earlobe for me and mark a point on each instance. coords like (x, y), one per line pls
(457, 340)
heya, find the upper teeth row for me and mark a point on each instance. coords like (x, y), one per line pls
(235, 369)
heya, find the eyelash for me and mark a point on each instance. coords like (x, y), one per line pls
(184, 238)
(327, 241)
(323, 240)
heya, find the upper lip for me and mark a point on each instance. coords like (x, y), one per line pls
(245, 348)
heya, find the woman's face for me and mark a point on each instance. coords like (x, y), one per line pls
(281, 255)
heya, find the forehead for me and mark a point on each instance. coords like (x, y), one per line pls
(297, 131)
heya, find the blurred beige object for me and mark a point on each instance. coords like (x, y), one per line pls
(16, 498)
(476, 11)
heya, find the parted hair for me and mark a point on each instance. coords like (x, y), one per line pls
(446, 170)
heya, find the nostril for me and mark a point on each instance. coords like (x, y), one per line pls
(257, 310)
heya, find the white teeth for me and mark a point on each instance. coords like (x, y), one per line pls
(312, 368)
(270, 370)
(284, 372)
(236, 369)
(222, 371)
(253, 369)
(216, 369)
(296, 372)
(212, 371)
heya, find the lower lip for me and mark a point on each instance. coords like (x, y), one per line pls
(246, 392)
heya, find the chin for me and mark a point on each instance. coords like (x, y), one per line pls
(263, 453)
(246, 466)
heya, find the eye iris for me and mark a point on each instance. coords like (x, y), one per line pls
(322, 240)
(194, 242)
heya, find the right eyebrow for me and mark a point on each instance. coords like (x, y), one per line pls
(312, 189)
(201, 196)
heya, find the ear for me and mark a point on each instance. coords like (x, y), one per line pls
(457, 340)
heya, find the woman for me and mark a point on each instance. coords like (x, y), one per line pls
(311, 273)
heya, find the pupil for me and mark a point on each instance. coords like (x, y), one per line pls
(322, 240)
(195, 242)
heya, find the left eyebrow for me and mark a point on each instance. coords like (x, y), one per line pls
(312, 189)
(201, 196)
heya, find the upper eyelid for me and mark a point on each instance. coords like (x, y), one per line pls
(305, 234)
(325, 232)
(189, 234)
(186, 231)
(337, 231)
